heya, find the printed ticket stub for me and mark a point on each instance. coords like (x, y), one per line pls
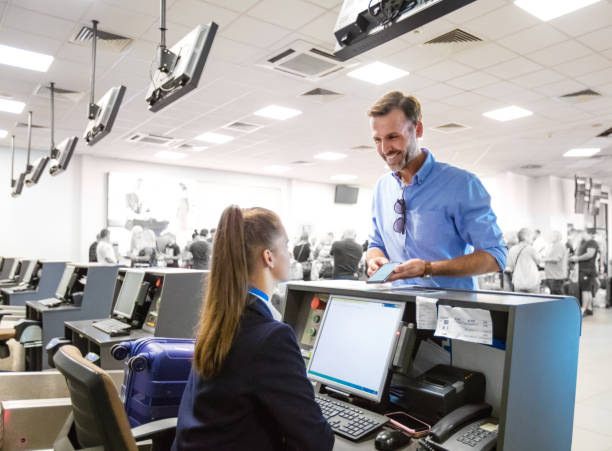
(467, 324)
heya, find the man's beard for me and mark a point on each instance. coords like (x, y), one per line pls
(410, 154)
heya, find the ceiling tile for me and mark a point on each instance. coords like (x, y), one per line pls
(474, 10)
(445, 70)
(329, 4)
(473, 81)
(560, 88)
(254, 32)
(595, 79)
(581, 66)
(532, 39)
(438, 91)
(507, 92)
(585, 20)
(514, 68)
(235, 52)
(484, 56)
(119, 20)
(502, 22)
(71, 10)
(420, 56)
(193, 12)
(538, 78)
(322, 27)
(560, 53)
(467, 99)
(28, 41)
(236, 5)
(291, 14)
(39, 24)
(598, 40)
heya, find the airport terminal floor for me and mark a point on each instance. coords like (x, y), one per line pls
(593, 414)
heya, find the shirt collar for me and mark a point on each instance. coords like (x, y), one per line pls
(423, 172)
(266, 301)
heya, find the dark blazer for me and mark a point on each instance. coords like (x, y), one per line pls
(261, 400)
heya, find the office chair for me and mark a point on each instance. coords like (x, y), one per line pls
(98, 419)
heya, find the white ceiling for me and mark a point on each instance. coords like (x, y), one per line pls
(521, 61)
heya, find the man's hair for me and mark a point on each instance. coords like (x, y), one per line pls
(104, 233)
(396, 100)
(204, 233)
(524, 233)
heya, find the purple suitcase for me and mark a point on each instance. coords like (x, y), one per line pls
(156, 371)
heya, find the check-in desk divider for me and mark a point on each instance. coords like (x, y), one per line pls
(45, 278)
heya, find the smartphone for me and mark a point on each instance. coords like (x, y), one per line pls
(383, 273)
(409, 424)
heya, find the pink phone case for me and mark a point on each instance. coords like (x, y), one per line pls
(405, 428)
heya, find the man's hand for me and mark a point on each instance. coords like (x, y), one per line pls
(375, 263)
(408, 270)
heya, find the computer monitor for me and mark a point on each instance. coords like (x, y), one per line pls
(19, 185)
(108, 108)
(26, 275)
(127, 297)
(39, 167)
(192, 52)
(354, 349)
(66, 149)
(23, 269)
(9, 268)
(62, 288)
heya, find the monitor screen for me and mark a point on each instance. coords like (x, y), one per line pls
(29, 271)
(192, 52)
(102, 124)
(66, 149)
(354, 348)
(8, 268)
(126, 299)
(23, 269)
(39, 167)
(63, 284)
(346, 194)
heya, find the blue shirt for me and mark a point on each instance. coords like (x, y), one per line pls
(448, 214)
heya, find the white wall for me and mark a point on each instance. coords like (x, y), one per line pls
(545, 203)
(61, 216)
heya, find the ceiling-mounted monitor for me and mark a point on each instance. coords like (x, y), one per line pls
(66, 149)
(181, 67)
(365, 24)
(19, 185)
(102, 117)
(39, 168)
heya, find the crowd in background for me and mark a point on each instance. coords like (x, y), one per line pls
(576, 267)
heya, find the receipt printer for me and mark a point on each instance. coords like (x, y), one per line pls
(441, 390)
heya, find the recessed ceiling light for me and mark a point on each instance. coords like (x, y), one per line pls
(583, 152)
(507, 114)
(280, 113)
(550, 9)
(3, 133)
(377, 73)
(343, 177)
(12, 56)
(214, 138)
(170, 155)
(330, 156)
(11, 106)
(277, 168)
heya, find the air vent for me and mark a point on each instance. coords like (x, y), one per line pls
(242, 127)
(605, 134)
(601, 157)
(531, 166)
(25, 125)
(579, 96)
(106, 41)
(363, 148)
(302, 60)
(59, 93)
(320, 92)
(302, 163)
(451, 127)
(191, 147)
(456, 36)
(155, 140)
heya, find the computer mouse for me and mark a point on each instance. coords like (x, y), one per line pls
(388, 440)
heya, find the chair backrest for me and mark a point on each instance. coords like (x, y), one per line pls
(99, 415)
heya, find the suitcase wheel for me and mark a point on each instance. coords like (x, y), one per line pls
(138, 363)
(119, 351)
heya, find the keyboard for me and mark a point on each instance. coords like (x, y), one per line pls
(51, 302)
(111, 326)
(347, 420)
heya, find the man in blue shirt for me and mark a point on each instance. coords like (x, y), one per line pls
(434, 218)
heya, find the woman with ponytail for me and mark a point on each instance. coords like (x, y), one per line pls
(248, 388)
